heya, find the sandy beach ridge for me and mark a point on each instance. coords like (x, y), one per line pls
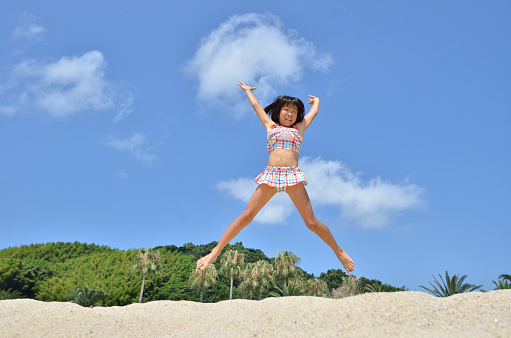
(403, 314)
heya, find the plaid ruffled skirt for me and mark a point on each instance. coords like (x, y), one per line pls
(281, 177)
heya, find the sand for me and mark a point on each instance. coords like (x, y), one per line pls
(401, 314)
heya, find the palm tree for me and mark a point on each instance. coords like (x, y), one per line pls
(203, 278)
(257, 276)
(8, 294)
(316, 287)
(147, 261)
(504, 283)
(84, 296)
(264, 271)
(250, 277)
(377, 288)
(285, 264)
(231, 265)
(451, 286)
(295, 288)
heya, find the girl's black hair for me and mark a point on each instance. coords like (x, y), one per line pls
(281, 101)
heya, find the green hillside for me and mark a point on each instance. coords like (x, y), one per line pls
(48, 272)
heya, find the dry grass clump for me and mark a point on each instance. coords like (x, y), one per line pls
(349, 287)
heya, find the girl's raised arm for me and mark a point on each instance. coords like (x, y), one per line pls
(265, 119)
(311, 115)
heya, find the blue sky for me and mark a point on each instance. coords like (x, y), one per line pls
(121, 124)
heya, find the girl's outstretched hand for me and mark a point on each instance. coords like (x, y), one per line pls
(245, 87)
(313, 99)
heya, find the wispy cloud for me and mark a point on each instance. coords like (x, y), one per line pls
(136, 146)
(64, 88)
(28, 29)
(122, 174)
(254, 48)
(371, 204)
(125, 104)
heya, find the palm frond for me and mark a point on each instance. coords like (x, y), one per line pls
(9, 294)
(450, 286)
(85, 296)
(506, 277)
(503, 284)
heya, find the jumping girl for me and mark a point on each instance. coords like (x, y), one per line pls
(285, 125)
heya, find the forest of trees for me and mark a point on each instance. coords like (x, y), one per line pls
(49, 272)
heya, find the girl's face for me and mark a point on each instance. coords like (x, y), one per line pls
(288, 114)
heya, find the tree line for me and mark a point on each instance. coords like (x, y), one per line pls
(65, 271)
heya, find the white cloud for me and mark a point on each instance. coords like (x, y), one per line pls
(372, 204)
(136, 146)
(64, 88)
(253, 48)
(28, 29)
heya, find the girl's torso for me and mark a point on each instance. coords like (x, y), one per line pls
(283, 144)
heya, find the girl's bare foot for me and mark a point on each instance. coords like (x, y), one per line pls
(206, 261)
(346, 261)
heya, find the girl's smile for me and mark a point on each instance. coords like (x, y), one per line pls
(288, 115)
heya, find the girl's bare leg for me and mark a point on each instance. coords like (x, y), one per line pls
(258, 200)
(302, 202)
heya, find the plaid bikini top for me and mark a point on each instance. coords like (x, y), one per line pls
(283, 138)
